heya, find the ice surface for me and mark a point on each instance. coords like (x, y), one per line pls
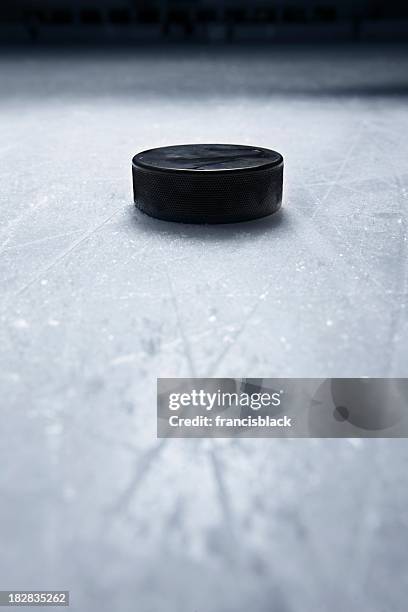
(98, 300)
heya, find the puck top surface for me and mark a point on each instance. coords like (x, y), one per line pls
(207, 158)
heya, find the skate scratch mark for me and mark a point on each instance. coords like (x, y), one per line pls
(339, 173)
(65, 254)
(22, 245)
(143, 466)
(224, 500)
(214, 366)
(186, 344)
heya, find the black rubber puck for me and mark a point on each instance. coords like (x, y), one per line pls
(208, 183)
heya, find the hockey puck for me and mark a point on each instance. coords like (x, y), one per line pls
(208, 183)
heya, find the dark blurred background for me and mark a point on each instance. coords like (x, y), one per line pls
(118, 21)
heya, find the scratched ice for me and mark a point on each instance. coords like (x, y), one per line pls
(90, 500)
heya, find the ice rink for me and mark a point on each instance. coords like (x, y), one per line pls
(98, 300)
